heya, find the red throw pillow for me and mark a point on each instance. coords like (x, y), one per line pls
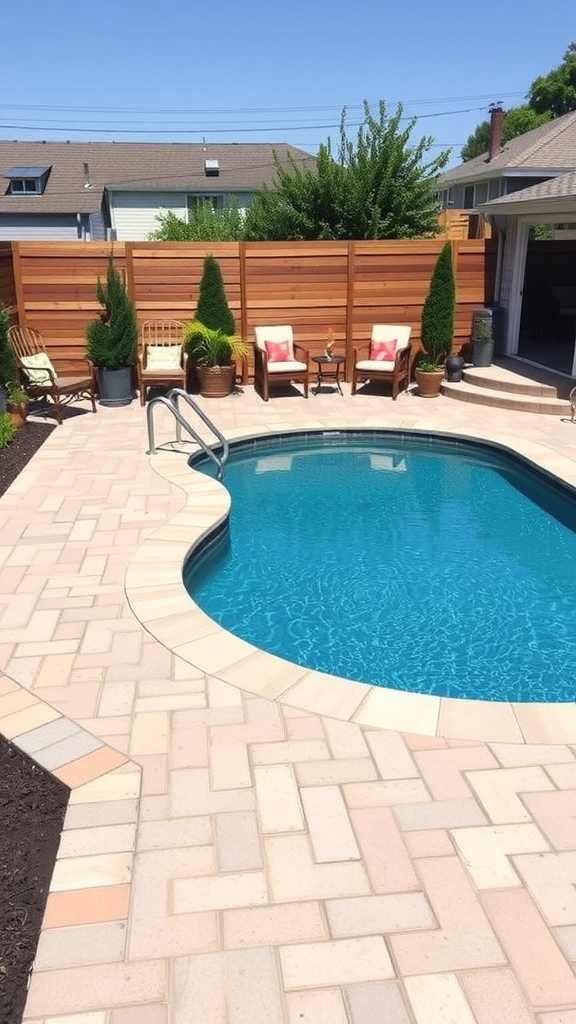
(278, 351)
(383, 351)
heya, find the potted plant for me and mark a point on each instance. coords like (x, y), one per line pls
(17, 402)
(482, 343)
(111, 340)
(212, 352)
(437, 325)
(211, 341)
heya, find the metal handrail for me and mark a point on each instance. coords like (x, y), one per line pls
(171, 402)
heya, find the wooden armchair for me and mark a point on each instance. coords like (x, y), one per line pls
(278, 360)
(162, 359)
(39, 378)
(387, 357)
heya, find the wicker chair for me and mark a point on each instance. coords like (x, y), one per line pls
(39, 378)
(162, 359)
(393, 366)
(278, 360)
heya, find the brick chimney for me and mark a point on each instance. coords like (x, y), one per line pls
(496, 119)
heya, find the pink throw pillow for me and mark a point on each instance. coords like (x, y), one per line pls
(383, 351)
(278, 351)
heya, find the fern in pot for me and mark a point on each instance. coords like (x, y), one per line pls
(213, 352)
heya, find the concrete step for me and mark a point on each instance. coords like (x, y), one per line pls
(496, 398)
(497, 378)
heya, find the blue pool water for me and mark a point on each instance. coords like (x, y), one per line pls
(413, 563)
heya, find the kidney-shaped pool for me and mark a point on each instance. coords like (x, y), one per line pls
(424, 564)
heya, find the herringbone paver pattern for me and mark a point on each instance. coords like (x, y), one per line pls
(242, 846)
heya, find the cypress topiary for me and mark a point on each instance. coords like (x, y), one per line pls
(112, 339)
(213, 310)
(437, 325)
(8, 371)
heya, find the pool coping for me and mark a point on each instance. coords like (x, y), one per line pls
(157, 596)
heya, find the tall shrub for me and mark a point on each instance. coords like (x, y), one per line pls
(437, 325)
(213, 310)
(8, 372)
(112, 339)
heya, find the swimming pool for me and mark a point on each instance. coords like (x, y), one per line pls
(413, 563)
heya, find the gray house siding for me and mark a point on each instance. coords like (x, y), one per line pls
(20, 227)
(508, 260)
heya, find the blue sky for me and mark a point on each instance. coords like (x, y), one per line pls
(265, 72)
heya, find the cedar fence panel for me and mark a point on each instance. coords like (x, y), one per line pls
(311, 285)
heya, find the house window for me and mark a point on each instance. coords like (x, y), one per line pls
(27, 181)
(494, 188)
(481, 193)
(469, 197)
(198, 201)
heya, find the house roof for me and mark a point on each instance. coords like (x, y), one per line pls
(549, 149)
(548, 195)
(136, 166)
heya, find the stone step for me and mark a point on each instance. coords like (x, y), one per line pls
(520, 402)
(497, 378)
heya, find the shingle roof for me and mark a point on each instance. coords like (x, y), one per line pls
(137, 166)
(561, 187)
(549, 148)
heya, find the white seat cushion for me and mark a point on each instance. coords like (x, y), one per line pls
(37, 367)
(278, 333)
(163, 357)
(289, 366)
(375, 365)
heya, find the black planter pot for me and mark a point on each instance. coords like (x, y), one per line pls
(454, 368)
(114, 386)
(482, 353)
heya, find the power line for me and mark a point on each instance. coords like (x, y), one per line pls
(224, 131)
(254, 110)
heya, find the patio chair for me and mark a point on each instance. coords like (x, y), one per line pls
(278, 360)
(387, 357)
(162, 359)
(39, 378)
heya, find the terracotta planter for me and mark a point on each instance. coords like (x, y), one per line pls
(429, 382)
(18, 412)
(216, 381)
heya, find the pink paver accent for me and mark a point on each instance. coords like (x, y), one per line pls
(90, 767)
(545, 975)
(383, 851)
(87, 906)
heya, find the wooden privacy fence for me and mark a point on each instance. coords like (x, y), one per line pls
(311, 285)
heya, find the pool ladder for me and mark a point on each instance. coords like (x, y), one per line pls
(171, 402)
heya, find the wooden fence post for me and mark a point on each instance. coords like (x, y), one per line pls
(18, 288)
(349, 340)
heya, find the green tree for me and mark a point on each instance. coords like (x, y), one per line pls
(111, 340)
(437, 325)
(516, 121)
(213, 310)
(379, 186)
(8, 372)
(204, 224)
(549, 96)
(555, 93)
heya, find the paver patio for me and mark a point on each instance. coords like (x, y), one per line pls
(238, 855)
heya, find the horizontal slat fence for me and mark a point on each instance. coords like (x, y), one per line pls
(311, 285)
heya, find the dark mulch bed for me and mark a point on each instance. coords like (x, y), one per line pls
(32, 808)
(14, 456)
